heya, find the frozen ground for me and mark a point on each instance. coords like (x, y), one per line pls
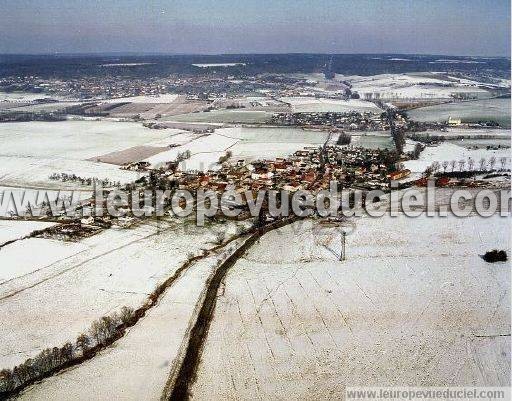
(165, 98)
(34, 150)
(412, 86)
(482, 110)
(205, 150)
(15, 200)
(13, 229)
(55, 289)
(24, 97)
(269, 143)
(244, 143)
(309, 105)
(138, 366)
(447, 151)
(225, 116)
(413, 304)
(372, 140)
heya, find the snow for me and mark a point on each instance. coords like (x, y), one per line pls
(309, 105)
(413, 304)
(15, 229)
(244, 143)
(218, 65)
(15, 200)
(205, 150)
(29, 255)
(26, 97)
(34, 150)
(492, 109)
(156, 343)
(269, 143)
(57, 289)
(447, 151)
(225, 116)
(410, 86)
(164, 98)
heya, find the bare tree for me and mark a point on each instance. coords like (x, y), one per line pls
(66, 352)
(435, 166)
(492, 162)
(471, 164)
(453, 163)
(445, 165)
(126, 314)
(503, 161)
(6, 380)
(482, 162)
(83, 342)
(462, 164)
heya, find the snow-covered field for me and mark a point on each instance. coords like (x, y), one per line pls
(12, 229)
(447, 151)
(309, 104)
(34, 150)
(23, 97)
(412, 86)
(372, 140)
(18, 259)
(218, 65)
(15, 200)
(413, 304)
(244, 143)
(140, 363)
(225, 116)
(493, 109)
(269, 143)
(205, 150)
(164, 98)
(56, 289)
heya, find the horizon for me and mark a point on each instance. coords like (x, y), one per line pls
(127, 53)
(472, 28)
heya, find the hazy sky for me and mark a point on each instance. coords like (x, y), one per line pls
(465, 27)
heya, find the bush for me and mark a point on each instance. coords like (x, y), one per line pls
(495, 256)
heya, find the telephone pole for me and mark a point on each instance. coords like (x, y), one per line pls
(343, 237)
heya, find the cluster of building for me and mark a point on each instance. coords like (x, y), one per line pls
(346, 121)
(311, 168)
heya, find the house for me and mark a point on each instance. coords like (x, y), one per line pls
(454, 122)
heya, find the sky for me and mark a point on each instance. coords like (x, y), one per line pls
(452, 27)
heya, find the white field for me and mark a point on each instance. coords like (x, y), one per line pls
(138, 366)
(13, 229)
(19, 258)
(24, 97)
(411, 86)
(45, 107)
(447, 151)
(492, 109)
(205, 150)
(269, 143)
(309, 104)
(15, 200)
(244, 143)
(32, 151)
(413, 304)
(454, 132)
(57, 289)
(372, 140)
(232, 116)
(218, 65)
(165, 98)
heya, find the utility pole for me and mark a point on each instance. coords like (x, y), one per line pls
(343, 237)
